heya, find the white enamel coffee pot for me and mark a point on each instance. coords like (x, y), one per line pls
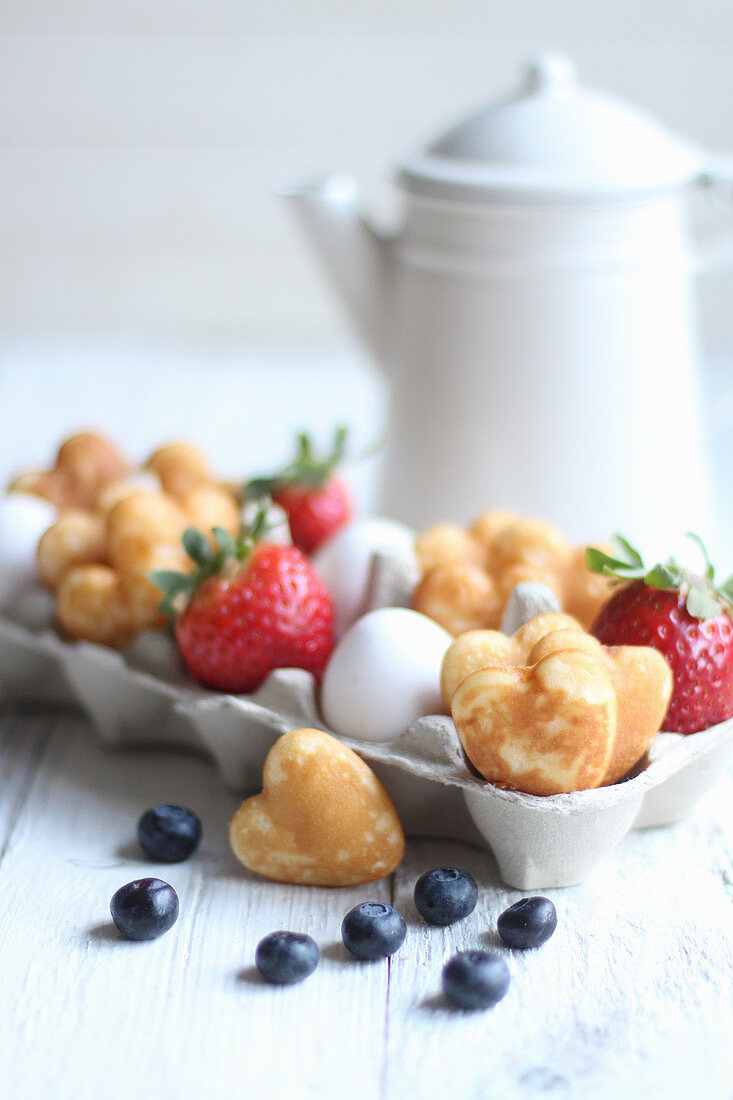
(534, 314)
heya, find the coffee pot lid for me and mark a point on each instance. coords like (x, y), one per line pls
(554, 141)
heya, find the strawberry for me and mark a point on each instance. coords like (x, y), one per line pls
(683, 615)
(316, 502)
(249, 607)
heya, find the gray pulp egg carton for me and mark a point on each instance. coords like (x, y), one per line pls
(144, 696)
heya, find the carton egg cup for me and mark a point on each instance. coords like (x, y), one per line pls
(145, 696)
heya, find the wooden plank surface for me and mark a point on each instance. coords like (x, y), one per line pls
(632, 994)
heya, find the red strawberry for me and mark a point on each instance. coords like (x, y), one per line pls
(314, 514)
(252, 607)
(316, 503)
(686, 618)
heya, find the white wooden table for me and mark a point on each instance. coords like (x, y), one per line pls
(633, 996)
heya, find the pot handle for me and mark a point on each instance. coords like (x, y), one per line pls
(714, 246)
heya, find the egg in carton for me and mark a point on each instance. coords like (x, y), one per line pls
(144, 695)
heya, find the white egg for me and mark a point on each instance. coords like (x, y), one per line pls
(344, 561)
(23, 519)
(383, 674)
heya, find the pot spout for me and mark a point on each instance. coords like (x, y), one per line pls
(355, 257)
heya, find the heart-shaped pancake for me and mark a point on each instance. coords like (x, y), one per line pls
(323, 818)
(471, 651)
(480, 648)
(642, 680)
(544, 729)
(555, 641)
(529, 634)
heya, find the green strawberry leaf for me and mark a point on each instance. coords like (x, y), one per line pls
(626, 552)
(305, 450)
(226, 543)
(171, 584)
(244, 547)
(662, 576)
(339, 444)
(261, 487)
(198, 547)
(260, 524)
(701, 604)
(599, 562)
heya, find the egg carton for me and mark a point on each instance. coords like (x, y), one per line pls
(145, 697)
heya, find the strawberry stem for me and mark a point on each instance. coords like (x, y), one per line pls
(306, 469)
(208, 560)
(703, 599)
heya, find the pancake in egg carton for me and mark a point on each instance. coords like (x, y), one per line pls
(145, 696)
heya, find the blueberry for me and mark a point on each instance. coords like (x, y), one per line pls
(445, 895)
(528, 922)
(475, 979)
(169, 834)
(373, 931)
(144, 909)
(286, 957)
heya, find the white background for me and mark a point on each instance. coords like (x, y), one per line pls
(140, 141)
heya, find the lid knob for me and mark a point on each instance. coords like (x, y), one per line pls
(554, 141)
(551, 72)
